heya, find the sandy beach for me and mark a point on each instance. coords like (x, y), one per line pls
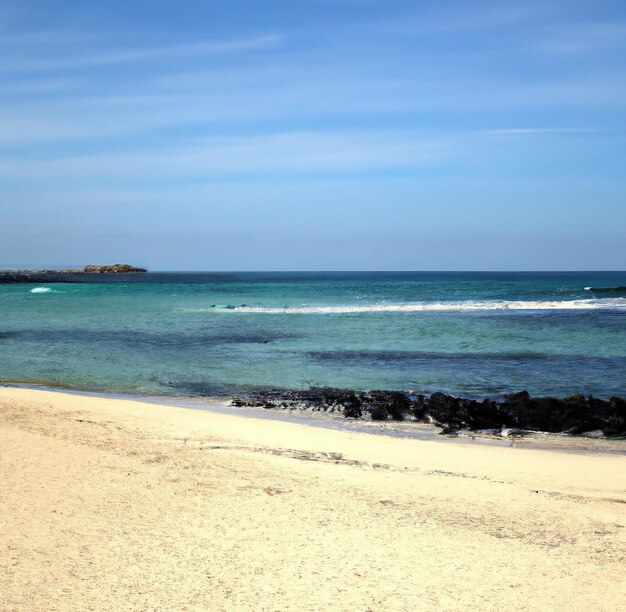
(121, 505)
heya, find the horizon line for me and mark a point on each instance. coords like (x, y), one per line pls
(322, 271)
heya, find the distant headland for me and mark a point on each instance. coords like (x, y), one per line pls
(111, 269)
(68, 275)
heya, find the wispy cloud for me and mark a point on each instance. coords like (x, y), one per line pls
(242, 99)
(40, 86)
(293, 152)
(290, 154)
(438, 20)
(581, 37)
(536, 131)
(42, 38)
(199, 48)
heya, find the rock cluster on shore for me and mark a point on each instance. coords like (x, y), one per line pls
(65, 276)
(577, 414)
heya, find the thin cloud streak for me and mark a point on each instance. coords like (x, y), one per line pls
(581, 38)
(43, 38)
(224, 105)
(302, 152)
(138, 55)
(292, 154)
(41, 86)
(468, 18)
(536, 131)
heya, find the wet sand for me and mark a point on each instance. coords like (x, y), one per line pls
(124, 505)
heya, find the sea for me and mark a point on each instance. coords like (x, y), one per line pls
(191, 334)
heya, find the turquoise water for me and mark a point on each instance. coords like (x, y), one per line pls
(215, 334)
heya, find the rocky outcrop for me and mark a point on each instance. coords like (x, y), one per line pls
(517, 412)
(574, 414)
(460, 413)
(112, 269)
(66, 276)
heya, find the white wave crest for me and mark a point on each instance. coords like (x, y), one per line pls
(41, 290)
(600, 304)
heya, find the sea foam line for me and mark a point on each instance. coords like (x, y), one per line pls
(604, 304)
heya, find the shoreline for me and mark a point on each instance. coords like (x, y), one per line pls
(123, 505)
(410, 430)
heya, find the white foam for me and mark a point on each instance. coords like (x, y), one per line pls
(41, 290)
(599, 304)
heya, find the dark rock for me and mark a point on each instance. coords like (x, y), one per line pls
(443, 409)
(460, 413)
(541, 414)
(397, 404)
(518, 411)
(448, 411)
(449, 431)
(485, 415)
(418, 406)
(551, 414)
(615, 421)
(518, 397)
(596, 414)
(379, 413)
(577, 398)
(352, 411)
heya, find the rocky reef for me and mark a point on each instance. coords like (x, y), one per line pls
(514, 413)
(66, 276)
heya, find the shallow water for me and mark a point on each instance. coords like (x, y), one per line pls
(214, 334)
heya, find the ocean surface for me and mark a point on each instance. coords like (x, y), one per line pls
(219, 334)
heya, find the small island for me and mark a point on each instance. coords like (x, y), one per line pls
(110, 269)
(68, 275)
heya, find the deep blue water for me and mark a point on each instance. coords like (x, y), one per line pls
(221, 333)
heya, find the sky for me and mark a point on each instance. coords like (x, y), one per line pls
(313, 134)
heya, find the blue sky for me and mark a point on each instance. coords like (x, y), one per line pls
(313, 134)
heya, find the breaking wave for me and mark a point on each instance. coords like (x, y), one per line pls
(491, 305)
(41, 290)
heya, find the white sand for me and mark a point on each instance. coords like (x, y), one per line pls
(119, 505)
